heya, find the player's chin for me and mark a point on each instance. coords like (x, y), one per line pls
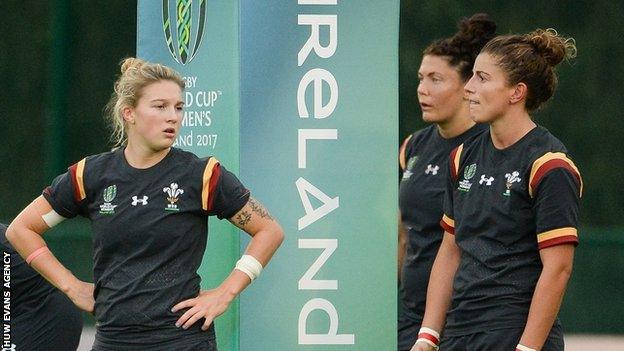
(163, 145)
(168, 140)
(431, 117)
(436, 118)
(479, 117)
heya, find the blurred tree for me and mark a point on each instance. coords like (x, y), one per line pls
(584, 113)
(24, 52)
(96, 36)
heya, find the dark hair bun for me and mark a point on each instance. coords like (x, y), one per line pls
(552, 47)
(462, 48)
(474, 32)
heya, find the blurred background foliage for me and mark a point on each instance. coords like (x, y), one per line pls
(58, 62)
(585, 112)
(59, 59)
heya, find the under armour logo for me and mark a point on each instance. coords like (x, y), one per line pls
(487, 181)
(433, 170)
(136, 200)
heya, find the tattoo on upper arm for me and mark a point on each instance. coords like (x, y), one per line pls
(259, 209)
(243, 218)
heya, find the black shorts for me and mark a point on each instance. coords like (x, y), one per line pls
(407, 333)
(205, 342)
(499, 340)
(204, 345)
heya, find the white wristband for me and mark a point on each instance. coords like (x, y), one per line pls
(250, 266)
(521, 347)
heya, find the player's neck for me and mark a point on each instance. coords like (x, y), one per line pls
(455, 126)
(510, 128)
(141, 157)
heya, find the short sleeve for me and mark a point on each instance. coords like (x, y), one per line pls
(403, 153)
(66, 194)
(448, 222)
(557, 194)
(223, 194)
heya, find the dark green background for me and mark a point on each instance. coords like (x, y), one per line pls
(59, 58)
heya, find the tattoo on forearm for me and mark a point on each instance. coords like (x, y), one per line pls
(259, 209)
(243, 218)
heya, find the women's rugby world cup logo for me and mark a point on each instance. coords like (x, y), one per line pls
(410, 166)
(469, 172)
(109, 194)
(183, 46)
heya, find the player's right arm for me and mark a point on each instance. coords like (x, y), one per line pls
(402, 246)
(440, 289)
(402, 235)
(25, 233)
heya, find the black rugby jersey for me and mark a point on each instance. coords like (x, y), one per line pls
(149, 236)
(421, 196)
(42, 317)
(28, 287)
(503, 207)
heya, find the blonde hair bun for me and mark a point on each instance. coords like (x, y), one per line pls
(131, 62)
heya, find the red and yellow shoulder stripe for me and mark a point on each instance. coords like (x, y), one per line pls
(76, 173)
(402, 160)
(567, 235)
(454, 160)
(448, 224)
(212, 172)
(548, 162)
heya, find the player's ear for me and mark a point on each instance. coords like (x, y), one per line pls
(518, 93)
(128, 114)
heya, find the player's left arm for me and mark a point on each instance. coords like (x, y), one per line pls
(266, 233)
(557, 268)
(556, 187)
(266, 236)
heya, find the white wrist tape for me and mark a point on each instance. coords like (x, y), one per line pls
(429, 337)
(52, 218)
(250, 266)
(521, 347)
(429, 331)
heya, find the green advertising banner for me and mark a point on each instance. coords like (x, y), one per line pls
(319, 125)
(200, 40)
